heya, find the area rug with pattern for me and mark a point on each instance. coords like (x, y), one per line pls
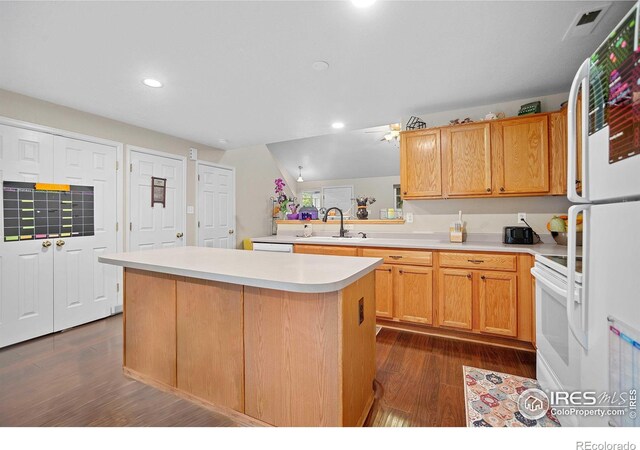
(491, 400)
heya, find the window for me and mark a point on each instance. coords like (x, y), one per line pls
(311, 198)
(397, 196)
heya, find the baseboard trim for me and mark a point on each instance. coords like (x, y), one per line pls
(458, 336)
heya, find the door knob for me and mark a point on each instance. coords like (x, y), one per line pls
(46, 244)
(179, 235)
(59, 243)
(488, 189)
(469, 276)
(230, 231)
(502, 189)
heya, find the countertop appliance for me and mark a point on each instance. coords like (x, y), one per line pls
(272, 247)
(576, 313)
(518, 235)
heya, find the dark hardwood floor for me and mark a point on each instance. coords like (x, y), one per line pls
(75, 378)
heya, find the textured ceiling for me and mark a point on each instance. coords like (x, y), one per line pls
(241, 71)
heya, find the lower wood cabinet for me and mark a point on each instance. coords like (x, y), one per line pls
(498, 303)
(455, 298)
(325, 250)
(487, 294)
(384, 291)
(414, 293)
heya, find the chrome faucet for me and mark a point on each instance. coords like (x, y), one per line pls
(326, 214)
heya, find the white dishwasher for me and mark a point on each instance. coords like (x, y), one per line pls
(271, 247)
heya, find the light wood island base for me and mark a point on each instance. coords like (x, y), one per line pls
(261, 356)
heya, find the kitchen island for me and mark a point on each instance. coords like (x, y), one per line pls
(267, 338)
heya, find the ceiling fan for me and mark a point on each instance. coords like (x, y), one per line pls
(393, 134)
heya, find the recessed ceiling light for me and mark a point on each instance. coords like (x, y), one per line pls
(152, 83)
(337, 125)
(319, 66)
(362, 3)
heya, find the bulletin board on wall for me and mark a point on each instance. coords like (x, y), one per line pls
(45, 211)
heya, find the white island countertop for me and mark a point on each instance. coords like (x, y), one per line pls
(281, 271)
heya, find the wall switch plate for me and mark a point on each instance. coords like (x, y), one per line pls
(193, 154)
(191, 210)
(349, 226)
(408, 217)
(522, 217)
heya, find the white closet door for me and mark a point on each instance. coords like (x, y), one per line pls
(155, 226)
(85, 289)
(26, 267)
(340, 196)
(216, 200)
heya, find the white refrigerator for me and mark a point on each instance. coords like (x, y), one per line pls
(609, 83)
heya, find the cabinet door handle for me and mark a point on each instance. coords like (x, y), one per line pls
(502, 189)
(401, 271)
(488, 189)
(483, 277)
(46, 244)
(404, 193)
(395, 257)
(389, 270)
(59, 243)
(469, 276)
(475, 261)
(179, 235)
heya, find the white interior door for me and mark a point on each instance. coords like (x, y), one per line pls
(340, 196)
(84, 289)
(216, 205)
(156, 226)
(26, 267)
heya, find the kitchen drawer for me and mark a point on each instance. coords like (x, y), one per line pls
(484, 261)
(393, 256)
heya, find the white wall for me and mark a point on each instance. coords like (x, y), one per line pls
(29, 109)
(256, 171)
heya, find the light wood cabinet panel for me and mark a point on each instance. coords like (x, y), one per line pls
(398, 256)
(466, 154)
(281, 366)
(558, 152)
(420, 164)
(414, 294)
(521, 155)
(384, 291)
(325, 250)
(493, 261)
(209, 330)
(455, 298)
(150, 326)
(498, 303)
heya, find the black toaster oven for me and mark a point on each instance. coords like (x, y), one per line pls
(518, 235)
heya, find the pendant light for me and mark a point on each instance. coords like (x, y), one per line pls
(300, 180)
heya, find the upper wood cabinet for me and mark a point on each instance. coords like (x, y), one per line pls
(558, 152)
(466, 155)
(521, 155)
(420, 164)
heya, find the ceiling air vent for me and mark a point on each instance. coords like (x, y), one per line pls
(586, 21)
